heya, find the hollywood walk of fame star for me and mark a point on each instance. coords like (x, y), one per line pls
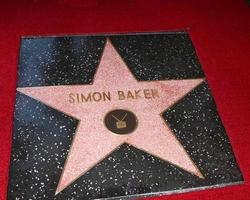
(93, 141)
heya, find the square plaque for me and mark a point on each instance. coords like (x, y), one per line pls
(115, 117)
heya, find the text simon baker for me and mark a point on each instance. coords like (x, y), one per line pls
(119, 94)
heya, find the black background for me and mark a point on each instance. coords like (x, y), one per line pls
(42, 135)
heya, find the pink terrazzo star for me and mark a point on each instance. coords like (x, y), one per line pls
(93, 141)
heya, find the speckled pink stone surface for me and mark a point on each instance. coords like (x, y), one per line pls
(93, 141)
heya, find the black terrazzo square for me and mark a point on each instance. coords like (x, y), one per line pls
(43, 135)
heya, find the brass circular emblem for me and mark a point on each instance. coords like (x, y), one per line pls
(120, 121)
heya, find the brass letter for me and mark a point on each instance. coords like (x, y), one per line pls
(106, 95)
(137, 96)
(84, 99)
(130, 95)
(147, 93)
(121, 95)
(77, 97)
(155, 93)
(97, 96)
(71, 98)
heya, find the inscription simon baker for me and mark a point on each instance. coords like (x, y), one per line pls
(106, 95)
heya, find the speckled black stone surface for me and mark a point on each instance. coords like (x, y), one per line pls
(42, 135)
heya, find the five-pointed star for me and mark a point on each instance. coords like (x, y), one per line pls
(93, 141)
